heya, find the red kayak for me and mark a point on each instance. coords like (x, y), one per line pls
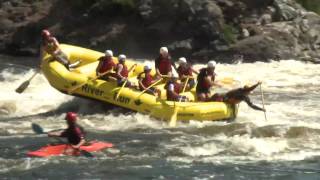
(66, 149)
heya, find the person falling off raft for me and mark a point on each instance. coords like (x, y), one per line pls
(235, 96)
(74, 133)
(50, 45)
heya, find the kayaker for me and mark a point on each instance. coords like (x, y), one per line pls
(163, 63)
(185, 70)
(122, 71)
(235, 96)
(145, 80)
(106, 63)
(50, 45)
(74, 133)
(206, 79)
(173, 89)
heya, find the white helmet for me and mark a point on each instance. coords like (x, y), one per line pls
(147, 67)
(122, 57)
(182, 60)
(164, 50)
(212, 64)
(108, 53)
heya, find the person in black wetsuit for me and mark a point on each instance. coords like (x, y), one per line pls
(235, 96)
(74, 133)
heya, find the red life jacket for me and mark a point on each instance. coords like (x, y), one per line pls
(184, 71)
(147, 80)
(170, 95)
(124, 72)
(107, 65)
(164, 65)
(202, 83)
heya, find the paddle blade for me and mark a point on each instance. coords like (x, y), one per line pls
(173, 119)
(23, 87)
(37, 128)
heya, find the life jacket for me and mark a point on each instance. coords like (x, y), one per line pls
(147, 79)
(107, 64)
(184, 71)
(164, 65)
(202, 83)
(74, 134)
(177, 88)
(124, 72)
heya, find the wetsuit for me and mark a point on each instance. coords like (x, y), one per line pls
(236, 96)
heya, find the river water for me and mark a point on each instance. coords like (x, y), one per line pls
(286, 146)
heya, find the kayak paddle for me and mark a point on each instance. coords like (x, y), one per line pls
(25, 84)
(39, 130)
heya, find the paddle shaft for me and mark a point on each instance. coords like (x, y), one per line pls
(149, 87)
(262, 99)
(80, 85)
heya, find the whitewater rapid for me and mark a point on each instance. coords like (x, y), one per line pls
(290, 133)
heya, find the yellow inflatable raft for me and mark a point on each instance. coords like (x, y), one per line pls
(66, 81)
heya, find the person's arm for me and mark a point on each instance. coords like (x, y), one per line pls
(119, 69)
(98, 67)
(194, 71)
(140, 82)
(247, 100)
(171, 90)
(254, 86)
(56, 133)
(77, 146)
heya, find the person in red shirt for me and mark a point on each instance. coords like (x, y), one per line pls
(74, 133)
(122, 71)
(145, 79)
(106, 63)
(206, 79)
(173, 89)
(185, 70)
(50, 45)
(163, 63)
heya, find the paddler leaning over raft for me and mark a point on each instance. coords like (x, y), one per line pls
(238, 95)
(50, 45)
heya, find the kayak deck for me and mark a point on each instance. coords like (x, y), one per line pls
(64, 149)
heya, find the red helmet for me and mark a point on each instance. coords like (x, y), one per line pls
(71, 117)
(45, 32)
